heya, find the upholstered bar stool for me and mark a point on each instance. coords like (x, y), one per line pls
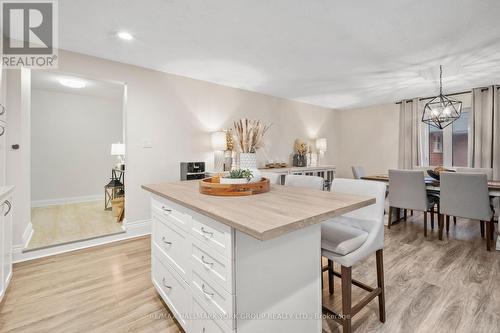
(305, 181)
(466, 195)
(352, 237)
(407, 190)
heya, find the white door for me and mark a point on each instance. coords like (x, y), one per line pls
(2, 250)
(7, 240)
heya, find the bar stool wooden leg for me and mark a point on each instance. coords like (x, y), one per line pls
(454, 220)
(405, 214)
(481, 223)
(447, 224)
(380, 283)
(390, 218)
(346, 299)
(330, 277)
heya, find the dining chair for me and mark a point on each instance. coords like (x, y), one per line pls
(407, 190)
(304, 181)
(466, 195)
(358, 172)
(274, 178)
(350, 238)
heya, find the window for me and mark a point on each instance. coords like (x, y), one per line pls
(449, 147)
(461, 140)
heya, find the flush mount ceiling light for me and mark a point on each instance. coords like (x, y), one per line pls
(72, 83)
(441, 111)
(125, 35)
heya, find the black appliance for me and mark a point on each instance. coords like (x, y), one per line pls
(192, 170)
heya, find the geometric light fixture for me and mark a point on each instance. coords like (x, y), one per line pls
(441, 111)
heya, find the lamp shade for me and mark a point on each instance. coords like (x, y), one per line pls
(218, 140)
(321, 144)
(117, 149)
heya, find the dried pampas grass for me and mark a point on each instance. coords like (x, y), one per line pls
(250, 134)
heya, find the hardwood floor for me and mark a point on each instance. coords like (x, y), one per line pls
(60, 224)
(103, 289)
(431, 286)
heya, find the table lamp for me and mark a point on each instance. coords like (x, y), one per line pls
(219, 145)
(118, 149)
(321, 146)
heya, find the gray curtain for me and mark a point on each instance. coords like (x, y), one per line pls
(484, 134)
(410, 143)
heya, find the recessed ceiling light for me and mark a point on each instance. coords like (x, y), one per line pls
(72, 83)
(125, 35)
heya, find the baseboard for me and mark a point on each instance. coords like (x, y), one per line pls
(132, 230)
(69, 200)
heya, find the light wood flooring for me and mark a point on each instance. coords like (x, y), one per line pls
(60, 224)
(431, 286)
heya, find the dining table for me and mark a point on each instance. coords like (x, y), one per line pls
(432, 185)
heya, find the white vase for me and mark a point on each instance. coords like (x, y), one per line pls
(234, 180)
(248, 161)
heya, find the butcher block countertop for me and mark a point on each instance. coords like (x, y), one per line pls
(263, 216)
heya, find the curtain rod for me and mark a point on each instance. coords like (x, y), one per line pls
(453, 94)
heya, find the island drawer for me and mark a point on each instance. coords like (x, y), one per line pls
(171, 213)
(210, 264)
(214, 234)
(214, 298)
(172, 288)
(205, 323)
(172, 244)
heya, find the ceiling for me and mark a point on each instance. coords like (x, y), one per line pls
(333, 53)
(49, 80)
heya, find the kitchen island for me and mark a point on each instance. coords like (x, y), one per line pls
(242, 264)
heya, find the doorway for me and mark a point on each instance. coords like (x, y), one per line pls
(77, 158)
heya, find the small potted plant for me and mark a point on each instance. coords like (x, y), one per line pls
(237, 176)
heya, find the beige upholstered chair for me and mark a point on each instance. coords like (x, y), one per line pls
(358, 172)
(407, 190)
(274, 178)
(466, 195)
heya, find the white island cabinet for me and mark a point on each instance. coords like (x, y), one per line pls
(242, 264)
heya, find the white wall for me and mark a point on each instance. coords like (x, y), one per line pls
(177, 115)
(367, 137)
(71, 137)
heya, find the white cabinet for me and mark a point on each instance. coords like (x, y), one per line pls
(192, 267)
(216, 279)
(5, 238)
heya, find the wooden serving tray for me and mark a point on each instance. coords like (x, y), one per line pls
(210, 187)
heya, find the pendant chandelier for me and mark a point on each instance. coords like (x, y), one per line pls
(441, 111)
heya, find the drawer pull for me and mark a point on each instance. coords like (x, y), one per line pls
(2, 130)
(166, 210)
(207, 234)
(164, 240)
(207, 263)
(9, 207)
(3, 110)
(166, 285)
(206, 292)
